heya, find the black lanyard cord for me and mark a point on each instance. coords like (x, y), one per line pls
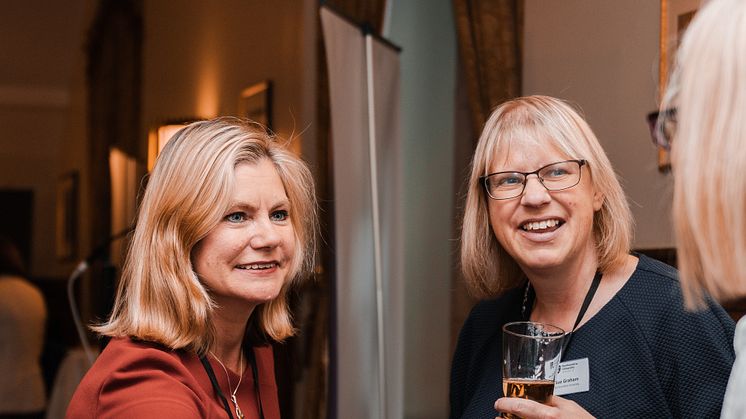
(583, 308)
(215, 385)
(255, 375)
(219, 392)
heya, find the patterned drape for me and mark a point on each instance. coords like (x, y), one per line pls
(113, 87)
(490, 42)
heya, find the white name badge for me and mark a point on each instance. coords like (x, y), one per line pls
(572, 377)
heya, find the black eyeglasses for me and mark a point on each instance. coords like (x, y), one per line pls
(662, 125)
(554, 177)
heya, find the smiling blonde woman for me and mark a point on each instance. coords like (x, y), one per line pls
(226, 225)
(546, 237)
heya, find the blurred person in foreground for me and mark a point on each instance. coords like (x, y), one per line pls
(23, 314)
(226, 225)
(708, 93)
(546, 237)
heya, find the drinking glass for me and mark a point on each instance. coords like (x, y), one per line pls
(531, 354)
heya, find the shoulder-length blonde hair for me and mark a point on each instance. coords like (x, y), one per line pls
(488, 269)
(159, 297)
(709, 153)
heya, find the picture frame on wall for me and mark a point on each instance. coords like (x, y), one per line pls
(675, 16)
(255, 103)
(67, 217)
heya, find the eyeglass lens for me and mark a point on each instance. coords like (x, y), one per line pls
(662, 127)
(554, 177)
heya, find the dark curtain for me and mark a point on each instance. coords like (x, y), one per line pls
(490, 49)
(320, 390)
(114, 64)
(490, 42)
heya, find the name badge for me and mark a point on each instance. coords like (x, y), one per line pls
(572, 377)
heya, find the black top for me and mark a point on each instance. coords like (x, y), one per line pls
(648, 357)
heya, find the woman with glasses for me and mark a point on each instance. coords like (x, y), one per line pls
(709, 166)
(546, 237)
(226, 226)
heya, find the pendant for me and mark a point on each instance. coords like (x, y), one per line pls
(239, 413)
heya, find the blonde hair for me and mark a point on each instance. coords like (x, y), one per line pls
(160, 298)
(488, 269)
(709, 153)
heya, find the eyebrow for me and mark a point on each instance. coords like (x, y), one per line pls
(245, 205)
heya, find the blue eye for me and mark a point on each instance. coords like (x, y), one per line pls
(508, 181)
(235, 217)
(557, 172)
(280, 215)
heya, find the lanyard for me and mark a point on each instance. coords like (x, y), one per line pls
(216, 386)
(581, 313)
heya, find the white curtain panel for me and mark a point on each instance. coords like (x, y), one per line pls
(368, 241)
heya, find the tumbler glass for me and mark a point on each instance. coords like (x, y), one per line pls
(531, 354)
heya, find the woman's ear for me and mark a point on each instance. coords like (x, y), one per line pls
(598, 200)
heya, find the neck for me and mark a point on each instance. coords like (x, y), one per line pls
(229, 337)
(560, 292)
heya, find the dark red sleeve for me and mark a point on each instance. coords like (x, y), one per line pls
(138, 381)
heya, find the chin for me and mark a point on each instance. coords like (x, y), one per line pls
(541, 260)
(264, 296)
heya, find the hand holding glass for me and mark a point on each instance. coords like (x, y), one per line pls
(531, 354)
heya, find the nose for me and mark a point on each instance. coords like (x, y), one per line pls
(534, 193)
(264, 235)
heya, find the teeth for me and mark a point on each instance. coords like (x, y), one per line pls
(257, 266)
(540, 225)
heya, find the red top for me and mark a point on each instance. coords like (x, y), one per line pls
(145, 380)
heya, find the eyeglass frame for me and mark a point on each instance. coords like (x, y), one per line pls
(657, 123)
(580, 162)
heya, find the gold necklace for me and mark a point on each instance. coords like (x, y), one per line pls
(239, 413)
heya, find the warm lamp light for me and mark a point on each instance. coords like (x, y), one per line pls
(157, 139)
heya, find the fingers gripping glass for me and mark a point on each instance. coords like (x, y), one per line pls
(554, 177)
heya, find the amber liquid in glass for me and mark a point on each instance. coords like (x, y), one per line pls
(537, 390)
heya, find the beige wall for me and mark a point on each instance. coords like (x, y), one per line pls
(602, 54)
(200, 55)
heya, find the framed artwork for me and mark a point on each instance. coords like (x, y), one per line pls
(675, 17)
(255, 103)
(67, 217)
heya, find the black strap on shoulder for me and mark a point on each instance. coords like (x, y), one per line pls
(528, 301)
(215, 385)
(255, 376)
(583, 309)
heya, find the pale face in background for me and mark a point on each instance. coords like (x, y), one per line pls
(245, 260)
(541, 229)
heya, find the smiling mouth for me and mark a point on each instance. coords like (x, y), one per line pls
(258, 266)
(542, 226)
